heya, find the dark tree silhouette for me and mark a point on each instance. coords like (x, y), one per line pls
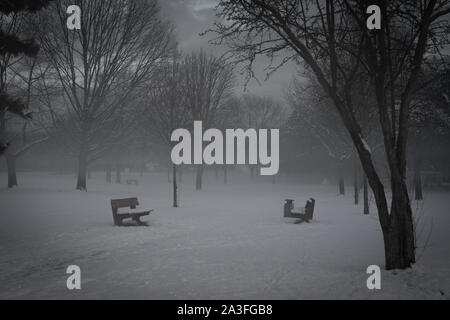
(100, 67)
(11, 45)
(430, 118)
(165, 109)
(332, 40)
(207, 84)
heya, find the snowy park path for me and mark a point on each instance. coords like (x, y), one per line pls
(227, 242)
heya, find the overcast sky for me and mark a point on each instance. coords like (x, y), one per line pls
(191, 17)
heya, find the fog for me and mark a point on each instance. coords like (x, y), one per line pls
(204, 125)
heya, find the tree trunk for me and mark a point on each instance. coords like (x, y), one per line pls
(199, 178)
(397, 225)
(355, 180)
(108, 173)
(175, 187)
(399, 237)
(341, 186)
(366, 195)
(82, 171)
(118, 174)
(418, 179)
(12, 174)
(142, 169)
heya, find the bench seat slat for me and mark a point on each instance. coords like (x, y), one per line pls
(132, 211)
(136, 214)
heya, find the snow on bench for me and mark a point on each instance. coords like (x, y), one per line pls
(120, 213)
(302, 214)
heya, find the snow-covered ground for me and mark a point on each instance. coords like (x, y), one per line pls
(226, 242)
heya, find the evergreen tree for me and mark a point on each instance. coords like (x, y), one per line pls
(14, 44)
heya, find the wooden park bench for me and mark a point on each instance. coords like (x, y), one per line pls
(302, 214)
(119, 213)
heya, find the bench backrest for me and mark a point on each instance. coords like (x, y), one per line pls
(288, 207)
(309, 208)
(122, 203)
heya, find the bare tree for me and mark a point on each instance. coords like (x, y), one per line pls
(18, 74)
(98, 67)
(27, 134)
(207, 82)
(227, 117)
(313, 112)
(332, 39)
(259, 113)
(166, 110)
(430, 117)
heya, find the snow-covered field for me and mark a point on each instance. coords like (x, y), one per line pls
(226, 242)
